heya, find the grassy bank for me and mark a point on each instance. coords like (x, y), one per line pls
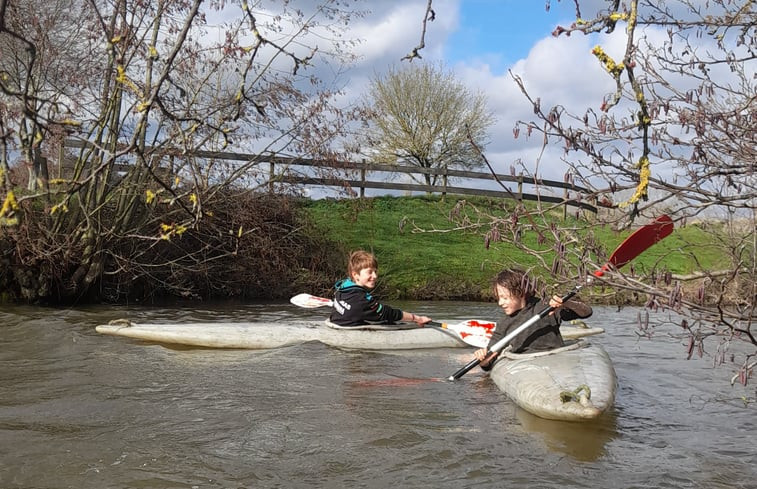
(441, 263)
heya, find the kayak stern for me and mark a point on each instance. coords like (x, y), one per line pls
(573, 383)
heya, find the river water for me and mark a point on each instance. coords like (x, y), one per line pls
(81, 410)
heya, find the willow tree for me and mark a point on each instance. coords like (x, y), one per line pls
(146, 93)
(423, 116)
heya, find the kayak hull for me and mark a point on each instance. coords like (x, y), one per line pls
(266, 335)
(260, 335)
(573, 383)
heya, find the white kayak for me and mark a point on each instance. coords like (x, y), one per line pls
(574, 383)
(264, 335)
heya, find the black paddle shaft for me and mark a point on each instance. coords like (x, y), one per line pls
(508, 338)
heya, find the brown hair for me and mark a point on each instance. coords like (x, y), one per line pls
(360, 259)
(515, 281)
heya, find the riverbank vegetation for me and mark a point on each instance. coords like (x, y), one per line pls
(432, 247)
(249, 246)
(260, 246)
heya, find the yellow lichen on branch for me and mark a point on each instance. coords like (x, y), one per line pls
(642, 188)
(615, 69)
(124, 80)
(59, 207)
(7, 212)
(616, 16)
(169, 230)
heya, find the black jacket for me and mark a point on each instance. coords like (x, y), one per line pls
(355, 306)
(540, 336)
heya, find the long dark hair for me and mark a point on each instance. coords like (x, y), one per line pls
(516, 281)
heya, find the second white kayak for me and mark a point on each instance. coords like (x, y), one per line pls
(574, 383)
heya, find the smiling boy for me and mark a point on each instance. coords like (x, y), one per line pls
(353, 303)
(515, 297)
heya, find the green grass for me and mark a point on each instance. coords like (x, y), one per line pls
(457, 264)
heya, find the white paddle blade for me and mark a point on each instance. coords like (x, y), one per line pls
(473, 331)
(473, 339)
(310, 301)
(483, 327)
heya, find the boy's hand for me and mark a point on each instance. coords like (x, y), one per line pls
(555, 302)
(481, 356)
(421, 320)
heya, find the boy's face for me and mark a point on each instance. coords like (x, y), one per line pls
(365, 277)
(509, 303)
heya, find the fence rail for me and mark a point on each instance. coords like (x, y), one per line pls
(572, 195)
(445, 188)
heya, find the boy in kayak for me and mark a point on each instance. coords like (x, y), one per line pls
(515, 297)
(353, 303)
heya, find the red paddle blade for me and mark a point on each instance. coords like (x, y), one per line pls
(483, 327)
(636, 243)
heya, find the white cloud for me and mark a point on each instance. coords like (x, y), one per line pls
(389, 32)
(557, 71)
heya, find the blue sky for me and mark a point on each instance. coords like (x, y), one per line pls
(486, 44)
(501, 31)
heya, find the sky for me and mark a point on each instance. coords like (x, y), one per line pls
(499, 32)
(481, 41)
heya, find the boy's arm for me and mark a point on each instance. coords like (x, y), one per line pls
(572, 309)
(378, 312)
(581, 309)
(415, 318)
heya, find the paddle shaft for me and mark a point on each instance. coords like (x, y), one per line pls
(499, 345)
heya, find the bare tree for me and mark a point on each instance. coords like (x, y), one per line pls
(142, 89)
(676, 136)
(424, 117)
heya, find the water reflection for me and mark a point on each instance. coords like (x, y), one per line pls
(584, 441)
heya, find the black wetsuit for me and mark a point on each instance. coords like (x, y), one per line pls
(355, 306)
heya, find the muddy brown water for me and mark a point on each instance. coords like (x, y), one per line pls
(81, 410)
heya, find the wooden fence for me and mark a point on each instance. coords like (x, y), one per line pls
(362, 176)
(365, 169)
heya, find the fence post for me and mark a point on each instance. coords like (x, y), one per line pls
(362, 180)
(271, 174)
(61, 154)
(444, 180)
(565, 206)
(520, 187)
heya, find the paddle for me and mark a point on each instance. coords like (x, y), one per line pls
(636, 243)
(629, 249)
(310, 301)
(472, 331)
